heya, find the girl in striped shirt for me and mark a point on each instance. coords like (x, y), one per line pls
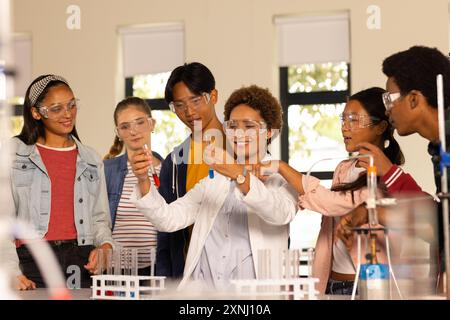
(134, 124)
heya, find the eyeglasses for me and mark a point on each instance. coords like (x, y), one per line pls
(243, 127)
(194, 102)
(138, 125)
(58, 110)
(355, 121)
(389, 99)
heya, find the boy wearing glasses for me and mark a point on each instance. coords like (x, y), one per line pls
(191, 94)
(411, 104)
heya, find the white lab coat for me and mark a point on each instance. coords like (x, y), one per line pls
(271, 207)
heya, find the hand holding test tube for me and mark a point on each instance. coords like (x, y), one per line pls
(154, 175)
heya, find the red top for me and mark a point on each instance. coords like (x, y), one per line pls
(61, 168)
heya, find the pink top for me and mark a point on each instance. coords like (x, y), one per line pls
(331, 204)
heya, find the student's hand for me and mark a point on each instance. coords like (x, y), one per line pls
(91, 266)
(355, 218)
(381, 162)
(140, 163)
(23, 283)
(264, 170)
(215, 158)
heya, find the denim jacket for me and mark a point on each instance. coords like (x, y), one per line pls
(31, 189)
(115, 173)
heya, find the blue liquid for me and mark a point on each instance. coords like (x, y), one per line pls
(211, 173)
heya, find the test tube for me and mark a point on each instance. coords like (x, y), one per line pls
(152, 266)
(152, 168)
(152, 261)
(211, 173)
(124, 262)
(296, 263)
(127, 261)
(281, 255)
(134, 262)
(372, 187)
(211, 170)
(310, 261)
(100, 258)
(117, 263)
(104, 261)
(115, 268)
(264, 263)
(287, 260)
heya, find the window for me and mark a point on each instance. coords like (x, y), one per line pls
(314, 85)
(17, 116)
(313, 96)
(22, 78)
(149, 54)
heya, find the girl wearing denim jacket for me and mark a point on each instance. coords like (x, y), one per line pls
(58, 186)
(134, 124)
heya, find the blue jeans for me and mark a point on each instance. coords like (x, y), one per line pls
(339, 287)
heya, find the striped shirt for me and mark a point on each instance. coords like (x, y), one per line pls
(132, 229)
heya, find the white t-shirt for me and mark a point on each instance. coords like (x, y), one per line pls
(342, 261)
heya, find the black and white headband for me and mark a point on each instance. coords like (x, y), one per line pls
(38, 87)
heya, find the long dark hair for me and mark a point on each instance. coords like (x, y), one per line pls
(130, 102)
(33, 129)
(372, 101)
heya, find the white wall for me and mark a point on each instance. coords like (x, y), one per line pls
(235, 38)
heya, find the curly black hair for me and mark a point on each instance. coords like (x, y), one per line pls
(259, 99)
(416, 69)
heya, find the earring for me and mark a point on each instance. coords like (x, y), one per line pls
(387, 142)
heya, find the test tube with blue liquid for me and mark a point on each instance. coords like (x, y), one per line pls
(211, 170)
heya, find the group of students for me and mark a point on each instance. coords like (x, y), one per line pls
(209, 226)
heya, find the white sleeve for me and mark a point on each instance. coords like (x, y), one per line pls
(274, 202)
(169, 217)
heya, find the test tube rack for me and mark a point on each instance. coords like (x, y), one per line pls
(280, 275)
(297, 288)
(126, 287)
